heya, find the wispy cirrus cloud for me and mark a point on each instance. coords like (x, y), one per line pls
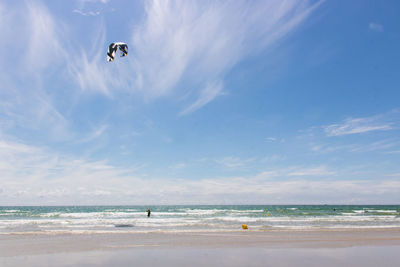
(198, 42)
(234, 162)
(93, 9)
(376, 27)
(382, 122)
(393, 152)
(373, 128)
(82, 2)
(271, 139)
(88, 71)
(382, 145)
(88, 13)
(24, 99)
(313, 171)
(48, 50)
(42, 31)
(185, 48)
(210, 92)
(178, 166)
(319, 171)
(387, 146)
(182, 49)
(96, 133)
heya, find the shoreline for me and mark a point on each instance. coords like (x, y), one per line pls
(199, 231)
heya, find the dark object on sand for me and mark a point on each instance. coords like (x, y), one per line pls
(124, 225)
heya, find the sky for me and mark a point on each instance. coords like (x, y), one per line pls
(217, 102)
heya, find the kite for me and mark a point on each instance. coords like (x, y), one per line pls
(112, 50)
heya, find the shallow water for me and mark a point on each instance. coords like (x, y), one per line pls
(195, 218)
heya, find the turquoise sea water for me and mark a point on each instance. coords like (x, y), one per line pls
(88, 219)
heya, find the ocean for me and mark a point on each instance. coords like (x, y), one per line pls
(102, 219)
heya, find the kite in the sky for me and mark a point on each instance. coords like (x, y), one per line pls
(112, 50)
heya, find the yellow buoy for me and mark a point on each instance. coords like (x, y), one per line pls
(267, 214)
(244, 226)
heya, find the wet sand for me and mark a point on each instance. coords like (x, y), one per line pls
(244, 248)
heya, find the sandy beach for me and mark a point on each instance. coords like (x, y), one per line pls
(372, 247)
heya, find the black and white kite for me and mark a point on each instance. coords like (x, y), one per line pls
(112, 50)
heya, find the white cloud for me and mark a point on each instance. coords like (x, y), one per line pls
(180, 48)
(43, 45)
(300, 171)
(359, 125)
(45, 175)
(393, 152)
(81, 2)
(381, 143)
(393, 175)
(39, 176)
(94, 5)
(235, 162)
(375, 146)
(178, 166)
(3, 20)
(197, 42)
(315, 171)
(35, 37)
(210, 92)
(96, 133)
(90, 73)
(231, 162)
(267, 175)
(89, 13)
(376, 27)
(185, 48)
(385, 146)
(271, 139)
(272, 158)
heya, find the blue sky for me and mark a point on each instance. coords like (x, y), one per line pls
(217, 102)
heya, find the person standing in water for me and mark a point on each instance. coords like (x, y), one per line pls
(148, 213)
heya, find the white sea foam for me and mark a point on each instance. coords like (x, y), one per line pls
(359, 211)
(78, 215)
(10, 211)
(201, 211)
(384, 211)
(246, 211)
